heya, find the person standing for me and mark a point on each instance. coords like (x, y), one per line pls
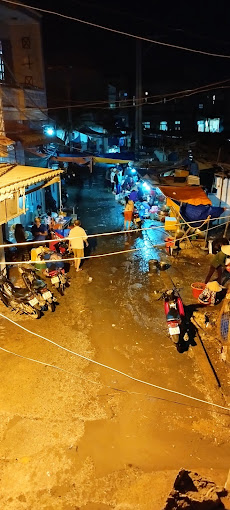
(112, 175)
(128, 214)
(107, 179)
(77, 238)
(19, 234)
(116, 182)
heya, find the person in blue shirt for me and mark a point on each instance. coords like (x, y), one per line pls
(39, 230)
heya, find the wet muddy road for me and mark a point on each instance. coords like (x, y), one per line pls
(88, 437)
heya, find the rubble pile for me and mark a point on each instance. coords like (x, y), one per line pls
(192, 492)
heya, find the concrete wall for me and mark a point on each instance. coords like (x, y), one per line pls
(225, 193)
(21, 55)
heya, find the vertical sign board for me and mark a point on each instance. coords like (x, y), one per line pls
(9, 207)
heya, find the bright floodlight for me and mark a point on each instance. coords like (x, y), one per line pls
(133, 170)
(50, 131)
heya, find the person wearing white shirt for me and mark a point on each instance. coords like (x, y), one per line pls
(112, 175)
(77, 238)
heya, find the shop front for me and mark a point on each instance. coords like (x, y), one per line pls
(22, 193)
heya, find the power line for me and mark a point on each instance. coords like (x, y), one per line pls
(97, 101)
(177, 95)
(120, 32)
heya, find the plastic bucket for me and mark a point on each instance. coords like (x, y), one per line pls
(197, 288)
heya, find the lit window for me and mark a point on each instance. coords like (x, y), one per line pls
(2, 66)
(177, 125)
(146, 125)
(209, 125)
(213, 99)
(112, 105)
(163, 125)
(214, 125)
(200, 126)
(201, 106)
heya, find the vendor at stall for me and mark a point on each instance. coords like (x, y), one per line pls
(39, 230)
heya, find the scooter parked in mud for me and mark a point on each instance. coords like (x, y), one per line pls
(35, 284)
(18, 299)
(173, 306)
(59, 279)
(174, 313)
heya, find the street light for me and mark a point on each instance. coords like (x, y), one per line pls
(49, 130)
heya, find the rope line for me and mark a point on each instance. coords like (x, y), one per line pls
(116, 232)
(14, 263)
(147, 395)
(114, 369)
(120, 32)
(79, 258)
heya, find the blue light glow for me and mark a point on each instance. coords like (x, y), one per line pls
(49, 131)
(146, 186)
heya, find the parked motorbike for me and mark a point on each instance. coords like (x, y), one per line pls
(59, 279)
(55, 270)
(173, 306)
(58, 245)
(35, 284)
(137, 221)
(18, 299)
(174, 312)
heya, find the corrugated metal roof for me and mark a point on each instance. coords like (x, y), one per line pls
(13, 178)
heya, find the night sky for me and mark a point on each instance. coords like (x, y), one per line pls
(98, 56)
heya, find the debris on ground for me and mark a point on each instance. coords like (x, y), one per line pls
(193, 492)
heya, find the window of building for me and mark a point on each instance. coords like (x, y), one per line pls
(209, 125)
(27, 62)
(26, 43)
(213, 99)
(177, 125)
(146, 125)
(163, 125)
(200, 126)
(201, 106)
(2, 67)
(29, 80)
(112, 105)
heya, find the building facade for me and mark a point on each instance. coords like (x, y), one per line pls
(23, 100)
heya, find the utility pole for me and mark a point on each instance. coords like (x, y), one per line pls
(70, 120)
(138, 112)
(2, 123)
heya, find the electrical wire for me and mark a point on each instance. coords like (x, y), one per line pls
(144, 98)
(120, 32)
(162, 388)
(144, 103)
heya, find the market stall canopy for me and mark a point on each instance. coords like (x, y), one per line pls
(72, 159)
(111, 161)
(16, 177)
(193, 195)
(33, 139)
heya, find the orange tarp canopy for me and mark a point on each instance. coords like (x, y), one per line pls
(193, 195)
(72, 159)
